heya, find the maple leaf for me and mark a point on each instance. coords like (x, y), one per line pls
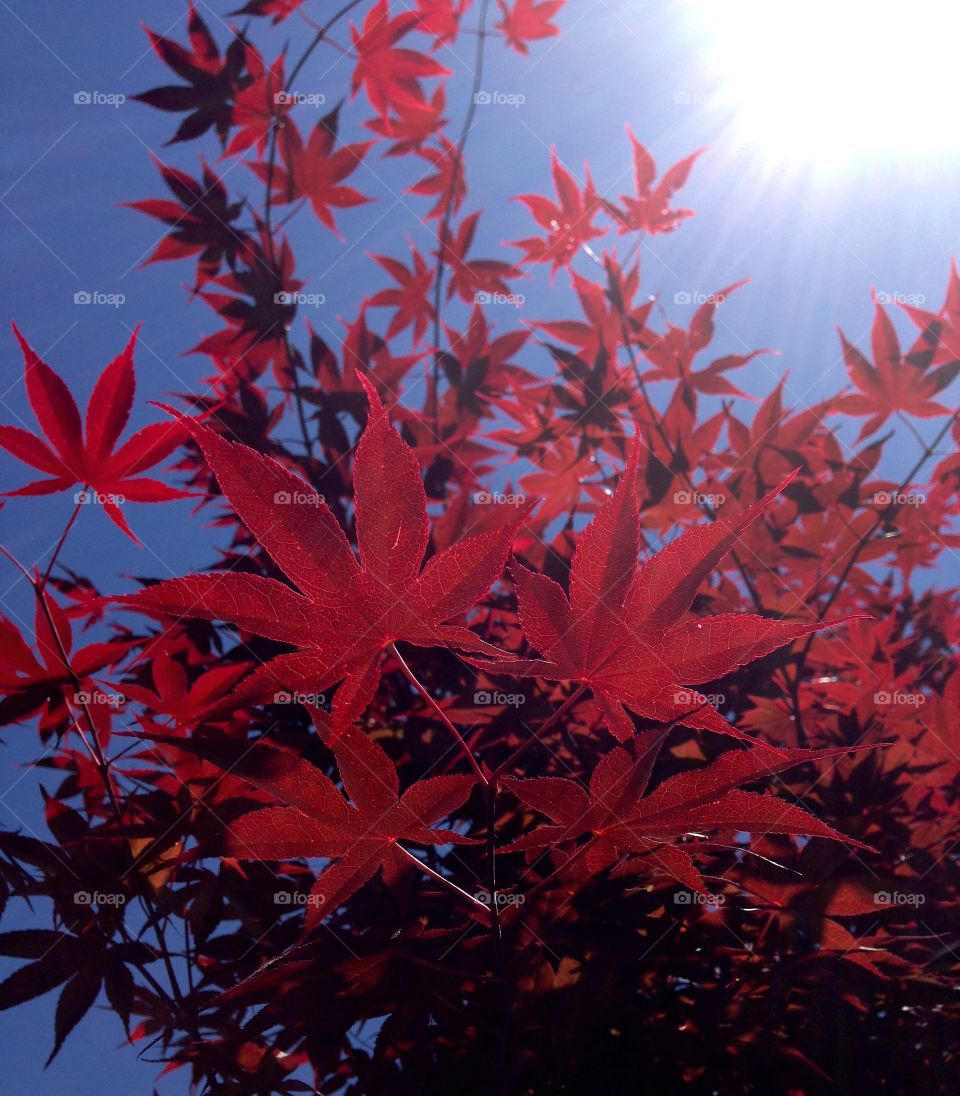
(621, 818)
(602, 331)
(569, 225)
(175, 696)
(649, 211)
(441, 18)
(86, 455)
(259, 306)
(212, 79)
(479, 369)
(622, 630)
(526, 20)
(201, 221)
(84, 962)
(894, 382)
(316, 821)
(447, 182)
(410, 125)
(34, 681)
(673, 352)
(472, 279)
(259, 106)
(411, 299)
(390, 75)
(347, 611)
(315, 171)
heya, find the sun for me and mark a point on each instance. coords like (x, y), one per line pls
(830, 82)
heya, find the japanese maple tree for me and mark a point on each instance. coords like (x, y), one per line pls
(558, 715)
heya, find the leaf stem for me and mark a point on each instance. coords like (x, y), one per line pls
(441, 715)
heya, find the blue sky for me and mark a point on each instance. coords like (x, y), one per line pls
(813, 241)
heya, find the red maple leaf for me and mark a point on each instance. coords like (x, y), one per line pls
(409, 126)
(649, 211)
(347, 611)
(526, 20)
(569, 225)
(315, 171)
(620, 818)
(895, 382)
(441, 18)
(201, 221)
(212, 80)
(412, 297)
(32, 681)
(86, 455)
(316, 821)
(622, 631)
(259, 106)
(390, 75)
(470, 277)
(447, 182)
